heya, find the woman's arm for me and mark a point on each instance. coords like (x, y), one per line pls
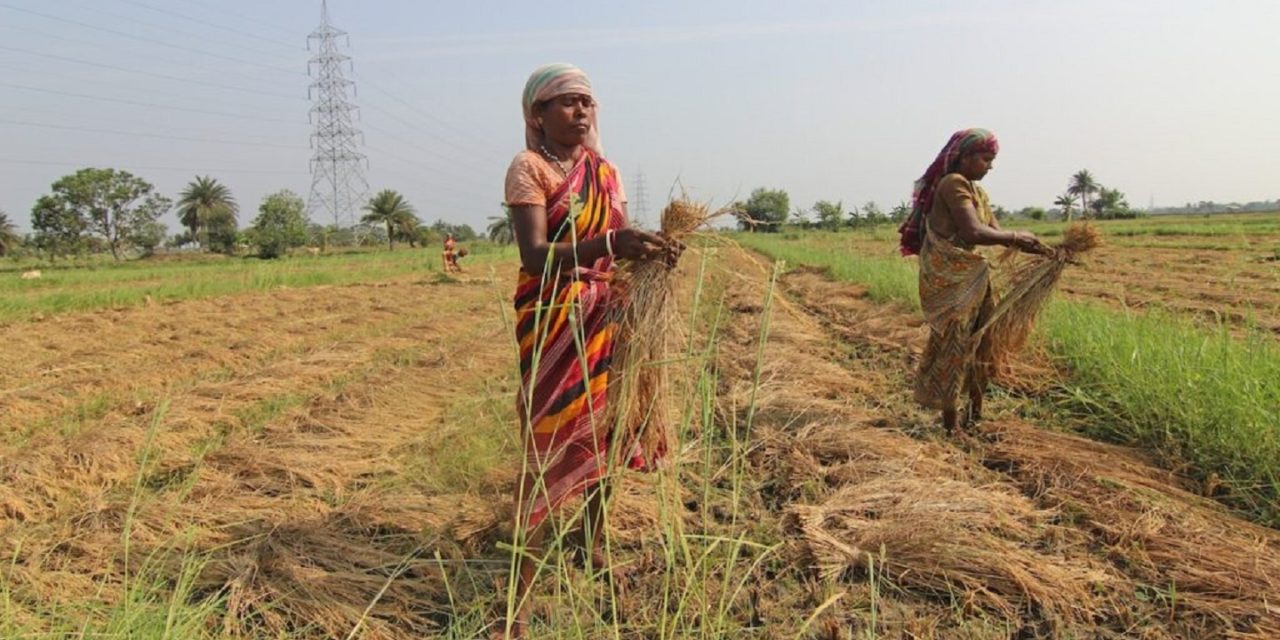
(529, 222)
(974, 232)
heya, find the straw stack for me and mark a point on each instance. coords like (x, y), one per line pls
(638, 396)
(1030, 284)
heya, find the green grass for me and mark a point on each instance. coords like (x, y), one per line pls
(886, 276)
(1215, 226)
(127, 284)
(1230, 230)
(1157, 381)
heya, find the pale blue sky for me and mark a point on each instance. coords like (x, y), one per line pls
(1171, 100)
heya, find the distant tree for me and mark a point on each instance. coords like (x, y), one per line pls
(221, 231)
(799, 218)
(766, 210)
(207, 209)
(392, 210)
(428, 237)
(9, 238)
(114, 204)
(500, 230)
(281, 224)
(410, 230)
(321, 236)
(855, 217)
(1083, 185)
(59, 231)
(461, 232)
(830, 215)
(900, 213)
(149, 236)
(1066, 201)
(999, 212)
(1032, 213)
(872, 214)
(1110, 203)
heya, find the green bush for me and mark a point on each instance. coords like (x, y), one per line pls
(281, 225)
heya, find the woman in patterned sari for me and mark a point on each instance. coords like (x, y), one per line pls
(951, 216)
(568, 212)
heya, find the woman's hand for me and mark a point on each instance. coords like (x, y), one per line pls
(673, 251)
(637, 244)
(1027, 242)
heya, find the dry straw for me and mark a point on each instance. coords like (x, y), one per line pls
(639, 398)
(1029, 285)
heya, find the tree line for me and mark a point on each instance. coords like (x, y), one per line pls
(111, 211)
(769, 210)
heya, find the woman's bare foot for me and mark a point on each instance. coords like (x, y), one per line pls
(518, 628)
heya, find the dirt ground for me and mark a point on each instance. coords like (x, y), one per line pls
(317, 446)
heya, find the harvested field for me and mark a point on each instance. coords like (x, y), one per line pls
(338, 461)
(1222, 274)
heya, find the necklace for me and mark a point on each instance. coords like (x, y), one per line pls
(555, 160)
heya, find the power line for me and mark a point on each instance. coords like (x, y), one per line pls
(210, 24)
(147, 104)
(136, 134)
(470, 138)
(149, 56)
(82, 82)
(125, 34)
(187, 35)
(435, 171)
(148, 73)
(465, 135)
(56, 163)
(227, 12)
(432, 152)
(462, 200)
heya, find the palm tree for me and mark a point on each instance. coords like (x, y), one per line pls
(1084, 185)
(9, 237)
(500, 230)
(409, 229)
(1066, 201)
(203, 200)
(391, 209)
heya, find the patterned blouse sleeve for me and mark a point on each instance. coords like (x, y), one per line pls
(523, 186)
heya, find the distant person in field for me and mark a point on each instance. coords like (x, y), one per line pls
(449, 255)
(458, 254)
(569, 215)
(950, 216)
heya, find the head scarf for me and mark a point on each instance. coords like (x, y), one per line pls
(962, 143)
(548, 82)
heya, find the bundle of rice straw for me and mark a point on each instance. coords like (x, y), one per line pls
(1030, 283)
(639, 401)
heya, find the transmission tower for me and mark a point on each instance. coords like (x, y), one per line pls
(338, 185)
(639, 207)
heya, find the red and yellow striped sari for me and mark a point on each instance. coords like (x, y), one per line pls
(565, 334)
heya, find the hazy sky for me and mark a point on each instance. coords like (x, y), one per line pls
(1169, 100)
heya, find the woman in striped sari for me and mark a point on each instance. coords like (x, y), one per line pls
(568, 212)
(951, 216)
